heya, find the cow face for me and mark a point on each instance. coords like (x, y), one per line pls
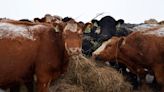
(72, 34)
(109, 49)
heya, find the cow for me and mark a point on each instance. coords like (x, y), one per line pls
(140, 50)
(49, 19)
(93, 38)
(29, 49)
(66, 19)
(108, 28)
(99, 31)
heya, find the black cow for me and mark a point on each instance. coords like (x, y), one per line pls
(99, 32)
(66, 19)
(108, 28)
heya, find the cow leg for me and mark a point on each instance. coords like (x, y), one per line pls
(44, 80)
(43, 83)
(158, 70)
(30, 86)
(15, 88)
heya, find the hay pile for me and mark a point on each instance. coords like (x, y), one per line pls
(88, 77)
(63, 85)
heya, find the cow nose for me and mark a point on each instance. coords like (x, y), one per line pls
(75, 50)
(96, 57)
(93, 55)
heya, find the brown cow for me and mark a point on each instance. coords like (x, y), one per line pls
(139, 50)
(49, 19)
(27, 49)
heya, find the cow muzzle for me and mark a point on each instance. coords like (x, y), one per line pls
(96, 57)
(74, 51)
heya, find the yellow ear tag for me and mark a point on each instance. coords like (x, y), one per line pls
(56, 28)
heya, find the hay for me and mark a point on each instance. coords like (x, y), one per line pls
(84, 75)
(63, 85)
(92, 78)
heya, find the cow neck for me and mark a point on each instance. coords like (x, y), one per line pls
(125, 60)
(117, 49)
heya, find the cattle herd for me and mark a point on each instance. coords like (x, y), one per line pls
(36, 52)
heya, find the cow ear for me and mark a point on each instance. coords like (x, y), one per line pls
(58, 27)
(120, 21)
(121, 41)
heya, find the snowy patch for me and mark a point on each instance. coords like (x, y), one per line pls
(12, 31)
(102, 47)
(71, 27)
(158, 33)
(142, 27)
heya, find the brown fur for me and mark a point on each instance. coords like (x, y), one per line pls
(139, 51)
(21, 58)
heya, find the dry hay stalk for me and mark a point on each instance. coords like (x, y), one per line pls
(63, 85)
(92, 78)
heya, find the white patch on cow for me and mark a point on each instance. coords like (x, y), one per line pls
(158, 33)
(149, 78)
(12, 31)
(102, 47)
(72, 50)
(124, 42)
(57, 19)
(98, 30)
(79, 32)
(71, 27)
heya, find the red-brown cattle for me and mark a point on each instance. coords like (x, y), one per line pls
(27, 49)
(49, 19)
(139, 50)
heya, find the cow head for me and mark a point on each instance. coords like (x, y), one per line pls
(109, 49)
(72, 35)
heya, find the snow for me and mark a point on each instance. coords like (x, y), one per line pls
(158, 33)
(12, 31)
(142, 27)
